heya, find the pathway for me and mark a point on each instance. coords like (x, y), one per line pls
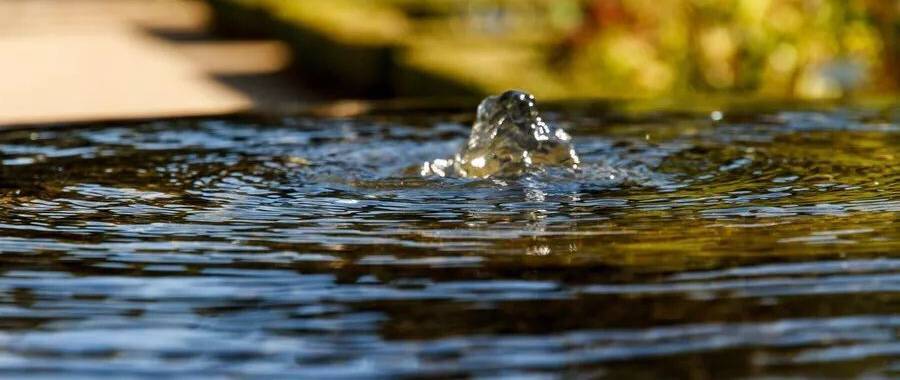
(82, 60)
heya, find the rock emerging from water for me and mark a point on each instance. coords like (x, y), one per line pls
(509, 138)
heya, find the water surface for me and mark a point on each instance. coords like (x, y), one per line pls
(762, 244)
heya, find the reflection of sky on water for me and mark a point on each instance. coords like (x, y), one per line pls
(313, 248)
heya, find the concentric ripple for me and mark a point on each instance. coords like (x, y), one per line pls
(762, 245)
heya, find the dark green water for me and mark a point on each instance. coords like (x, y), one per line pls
(763, 245)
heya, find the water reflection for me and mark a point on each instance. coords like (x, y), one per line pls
(759, 245)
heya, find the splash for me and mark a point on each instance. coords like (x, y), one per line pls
(509, 138)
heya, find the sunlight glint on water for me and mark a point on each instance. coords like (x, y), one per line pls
(754, 245)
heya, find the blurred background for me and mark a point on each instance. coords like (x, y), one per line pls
(83, 59)
(588, 48)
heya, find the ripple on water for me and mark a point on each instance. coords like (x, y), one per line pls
(762, 245)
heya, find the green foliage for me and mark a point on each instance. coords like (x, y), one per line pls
(621, 48)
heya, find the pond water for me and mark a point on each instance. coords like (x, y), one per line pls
(687, 245)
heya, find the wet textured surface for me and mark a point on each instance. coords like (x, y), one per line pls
(759, 245)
